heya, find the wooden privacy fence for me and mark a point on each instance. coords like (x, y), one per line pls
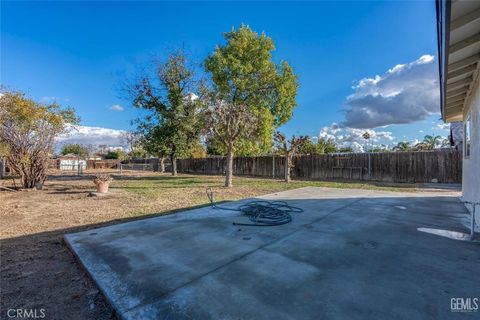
(103, 164)
(420, 166)
(152, 164)
(266, 166)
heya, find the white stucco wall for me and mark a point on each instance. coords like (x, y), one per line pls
(471, 165)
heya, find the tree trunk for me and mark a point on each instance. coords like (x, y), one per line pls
(29, 181)
(31, 175)
(229, 169)
(162, 164)
(287, 167)
(2, 168)
(173, 159)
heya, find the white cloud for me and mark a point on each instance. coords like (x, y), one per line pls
(116, 107)
(94, 136)
(351, 137)
(405, 93)
(443, 126)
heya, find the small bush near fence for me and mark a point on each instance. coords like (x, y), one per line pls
(422, 166)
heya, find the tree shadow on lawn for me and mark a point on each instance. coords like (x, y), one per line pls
(39, 271)
(57, 188)
(160, 177)
(167, 186)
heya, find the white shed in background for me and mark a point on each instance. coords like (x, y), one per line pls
(71, 162)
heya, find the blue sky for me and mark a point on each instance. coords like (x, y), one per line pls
(78, 54)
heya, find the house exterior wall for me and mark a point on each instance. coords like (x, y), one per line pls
(471, 165)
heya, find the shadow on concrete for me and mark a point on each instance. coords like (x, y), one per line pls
(38, 270)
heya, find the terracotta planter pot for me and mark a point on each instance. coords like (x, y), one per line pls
(102, 186)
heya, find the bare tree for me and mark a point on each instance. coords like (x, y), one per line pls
(134, 140)
(289, 149)
(131, 138)
(228, 122)
(28, 131)
(103, 148)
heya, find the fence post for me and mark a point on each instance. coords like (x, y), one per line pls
(273, 166)
(369, 166)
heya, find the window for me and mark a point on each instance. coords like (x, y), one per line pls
(468, 136)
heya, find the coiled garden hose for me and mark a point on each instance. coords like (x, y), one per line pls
(261, 212)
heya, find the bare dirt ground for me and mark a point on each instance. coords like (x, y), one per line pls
(39, 272)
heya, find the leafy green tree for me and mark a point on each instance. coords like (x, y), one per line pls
(152, 142)
(76, 149)
(326, 146)
(307, 146)
(137, 153)
(197, 151)
(176, 118)
(243, 148)
(250, 94)
(345, 150)
(214, 146)
(112, 155)
(322, 146)
(380, 148)
(429, 142)
(402, 146)
(28, 130)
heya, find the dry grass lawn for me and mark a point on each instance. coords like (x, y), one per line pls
(38, 271)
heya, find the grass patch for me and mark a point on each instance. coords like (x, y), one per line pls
(193, 186)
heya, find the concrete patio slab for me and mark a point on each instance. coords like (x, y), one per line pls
(352, 254)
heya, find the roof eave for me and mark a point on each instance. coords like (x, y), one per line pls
(443, 8)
